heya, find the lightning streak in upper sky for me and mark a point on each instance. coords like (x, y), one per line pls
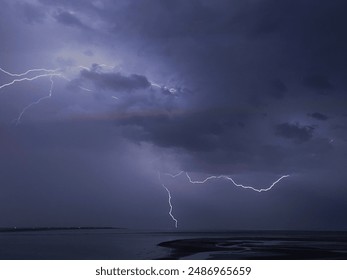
(29, 71)
(50, 73)
(21, 78)
(29, 79)
(40, 73)
(36, 102)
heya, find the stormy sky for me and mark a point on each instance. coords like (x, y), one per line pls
(253, 89)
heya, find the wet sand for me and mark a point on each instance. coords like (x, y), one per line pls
(267, 245)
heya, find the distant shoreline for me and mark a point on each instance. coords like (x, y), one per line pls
(21, 229)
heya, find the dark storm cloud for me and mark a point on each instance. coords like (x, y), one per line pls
(185, 130)
(319, 116)
(225, 56)
(229, 49)
(215, 141)
(250, 68)
(294, 132)
(115, 81)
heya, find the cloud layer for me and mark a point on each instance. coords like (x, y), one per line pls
(253, 89)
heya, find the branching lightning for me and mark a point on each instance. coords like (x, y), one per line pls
(229, 179)
(50, 73)
(29, 79)
(40, 73)
(214, 177)
(21, 77)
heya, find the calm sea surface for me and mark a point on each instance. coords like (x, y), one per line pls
(127, 244)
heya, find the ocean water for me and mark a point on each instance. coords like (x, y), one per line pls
(81, 244)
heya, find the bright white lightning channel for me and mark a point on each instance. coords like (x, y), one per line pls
(29, 79)
(20, 77)
(169, 201)
(36, 102)
(40, 73)
(259, 190)
(229, 179)
(29, 71)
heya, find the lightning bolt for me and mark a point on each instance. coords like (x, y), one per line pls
(40, 73)
(17, 121)
(50, 73)
(20, 77)
(169, 200)
(229, 179)
(29, 79)
(214, 177)
(29, 71)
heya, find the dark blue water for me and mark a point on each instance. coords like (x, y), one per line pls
(68, 244)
